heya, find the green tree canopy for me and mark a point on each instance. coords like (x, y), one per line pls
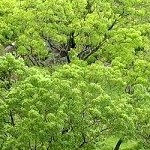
(99, 99)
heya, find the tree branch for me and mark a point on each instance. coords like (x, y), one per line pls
(118, 144)
(12, 118)
(84, 141)
(88, 52)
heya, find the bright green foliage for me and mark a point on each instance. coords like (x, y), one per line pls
(77, 107)
(111, 28)
(88, 104)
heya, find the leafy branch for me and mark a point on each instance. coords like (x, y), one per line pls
(89, 50)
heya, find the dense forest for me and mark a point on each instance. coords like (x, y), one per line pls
(74, 75)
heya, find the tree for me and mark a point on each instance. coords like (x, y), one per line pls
(99, 29)
(100, 99)
(77, 107)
